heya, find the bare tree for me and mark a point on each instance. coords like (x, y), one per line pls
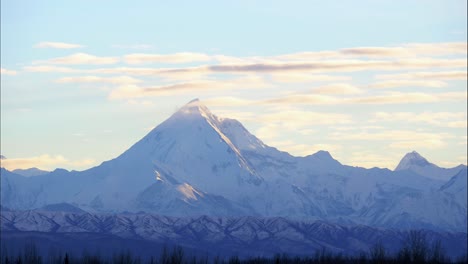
(418, 246)
(377, 253)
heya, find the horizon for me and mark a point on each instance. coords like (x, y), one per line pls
(368, 86)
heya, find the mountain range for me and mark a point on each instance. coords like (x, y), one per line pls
(145, 234)
(196, 163)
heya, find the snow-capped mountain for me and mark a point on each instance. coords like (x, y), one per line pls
(196, 163)
(414, 162)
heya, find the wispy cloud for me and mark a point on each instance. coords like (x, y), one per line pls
(406, 50)
(80, 58)
(368, 159)
(182, 57)
(440, 75)
(304, 77)
(337, 65)
(381, 98)
(4, 71)
(45, 162)
(295, 99)
(228, 101)
(408, 83)
(337, 88)
(57, 45)
(305, 118)
(331, 95)
(394, 98)
(135, 91)
(174, 74)
(444, 119)
(97, 79)
(311, 67)
(404, 139)
(50, 68)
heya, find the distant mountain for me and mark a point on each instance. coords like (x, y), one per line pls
(226, 236)
(457, 185)
(196, 163)
(30, 172)
(416, 163)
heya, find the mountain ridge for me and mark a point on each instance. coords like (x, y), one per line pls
(416, 163)
(231, 235)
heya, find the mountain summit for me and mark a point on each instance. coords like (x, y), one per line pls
(416, 163)
(412, 159)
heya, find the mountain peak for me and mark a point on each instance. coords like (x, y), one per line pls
(412, 158)
(323, 158)
(324, 154)
(194, 107)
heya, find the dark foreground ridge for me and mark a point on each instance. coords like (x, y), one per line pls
(246, 237)
(415, 250)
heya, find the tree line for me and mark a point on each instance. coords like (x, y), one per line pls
(415, 249)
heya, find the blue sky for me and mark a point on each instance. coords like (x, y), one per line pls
(366, 80)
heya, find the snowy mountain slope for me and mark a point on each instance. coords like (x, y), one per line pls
(379, 197)
(456, 187)
(197, 152)
(17, 192)
(189, 143)
(197, 163)
(166, 194)
(245, 235)
(414, 162)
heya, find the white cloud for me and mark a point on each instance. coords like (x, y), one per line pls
(369, 159)
(406, 50)
(197, 86)
(48, 68)
(4, 71)
(97, 79)
(182, 57)
(394, 98)
(334, 66)
(295, 67)
(57, 45)
(298, 118)
(306, 99)
(227, 101)
(80, 58)
(404, 139)
(303, 77)
(46, 162)
(337, 88)
(172, 74)
(444, 119)
(424, 76)
(408, 83)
